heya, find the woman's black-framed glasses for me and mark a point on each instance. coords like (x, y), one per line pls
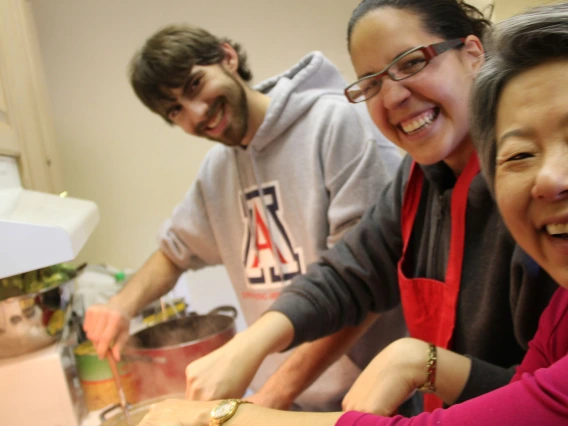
(404, 66)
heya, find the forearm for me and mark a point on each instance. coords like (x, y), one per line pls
(156, 277)
(272, 332)
(252, 415)
(306, 364)
(539, 399)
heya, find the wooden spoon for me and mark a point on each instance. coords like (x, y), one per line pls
(120, 390)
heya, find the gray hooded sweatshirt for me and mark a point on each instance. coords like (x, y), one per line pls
(265, 212)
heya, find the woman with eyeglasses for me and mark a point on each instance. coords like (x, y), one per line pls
(434, 241)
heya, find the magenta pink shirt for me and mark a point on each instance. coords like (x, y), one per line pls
(537, 395)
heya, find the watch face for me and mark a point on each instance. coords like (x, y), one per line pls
(223, 409)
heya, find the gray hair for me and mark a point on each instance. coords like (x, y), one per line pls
(514, 46)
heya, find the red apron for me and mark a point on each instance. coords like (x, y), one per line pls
(430, 305)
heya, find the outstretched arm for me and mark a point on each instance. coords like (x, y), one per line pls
(196, 413)
(227, 371)
(305, 365)
(399, 370)
(535, 399)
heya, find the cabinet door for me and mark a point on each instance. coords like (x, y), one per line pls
(8, 142)
(26, 130)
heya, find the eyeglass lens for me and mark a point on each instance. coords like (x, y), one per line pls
(405, 66)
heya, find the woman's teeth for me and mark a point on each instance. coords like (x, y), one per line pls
(557, 229)
(216, 119)
(418, 122)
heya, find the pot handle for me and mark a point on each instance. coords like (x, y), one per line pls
(230, 311)
(104, 413)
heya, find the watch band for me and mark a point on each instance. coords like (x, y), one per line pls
(225, 410)
(429, 385)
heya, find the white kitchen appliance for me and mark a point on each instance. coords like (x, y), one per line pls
(38, 230)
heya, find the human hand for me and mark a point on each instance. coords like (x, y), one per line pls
(224, 373)
(227, 371)
(392, 377)
(105, 324)
(179, 412)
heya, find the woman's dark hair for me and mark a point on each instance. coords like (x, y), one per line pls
(516, 45)
(166, 60)
(448, 19)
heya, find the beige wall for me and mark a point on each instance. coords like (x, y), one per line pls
(507, 8)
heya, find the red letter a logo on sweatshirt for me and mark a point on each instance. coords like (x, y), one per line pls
(270, 258)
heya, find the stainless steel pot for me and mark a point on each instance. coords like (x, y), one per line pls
(113, 416)
(159, 354)
(34, 320)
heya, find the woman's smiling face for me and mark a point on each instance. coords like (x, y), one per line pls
(531, 180)
(426, 114)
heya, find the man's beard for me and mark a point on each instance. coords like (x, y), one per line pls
(235, 98)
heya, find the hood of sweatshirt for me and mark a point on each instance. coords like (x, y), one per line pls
(293, 92)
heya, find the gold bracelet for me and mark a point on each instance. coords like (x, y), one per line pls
(430, 385)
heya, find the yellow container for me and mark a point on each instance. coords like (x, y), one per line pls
(96, 379)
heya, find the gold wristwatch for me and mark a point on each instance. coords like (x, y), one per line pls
(225, 410)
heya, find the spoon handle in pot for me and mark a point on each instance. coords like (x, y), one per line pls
(120, 390)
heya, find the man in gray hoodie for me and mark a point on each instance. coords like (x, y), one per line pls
(295, 168)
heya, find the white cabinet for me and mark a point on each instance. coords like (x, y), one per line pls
(26, 131)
